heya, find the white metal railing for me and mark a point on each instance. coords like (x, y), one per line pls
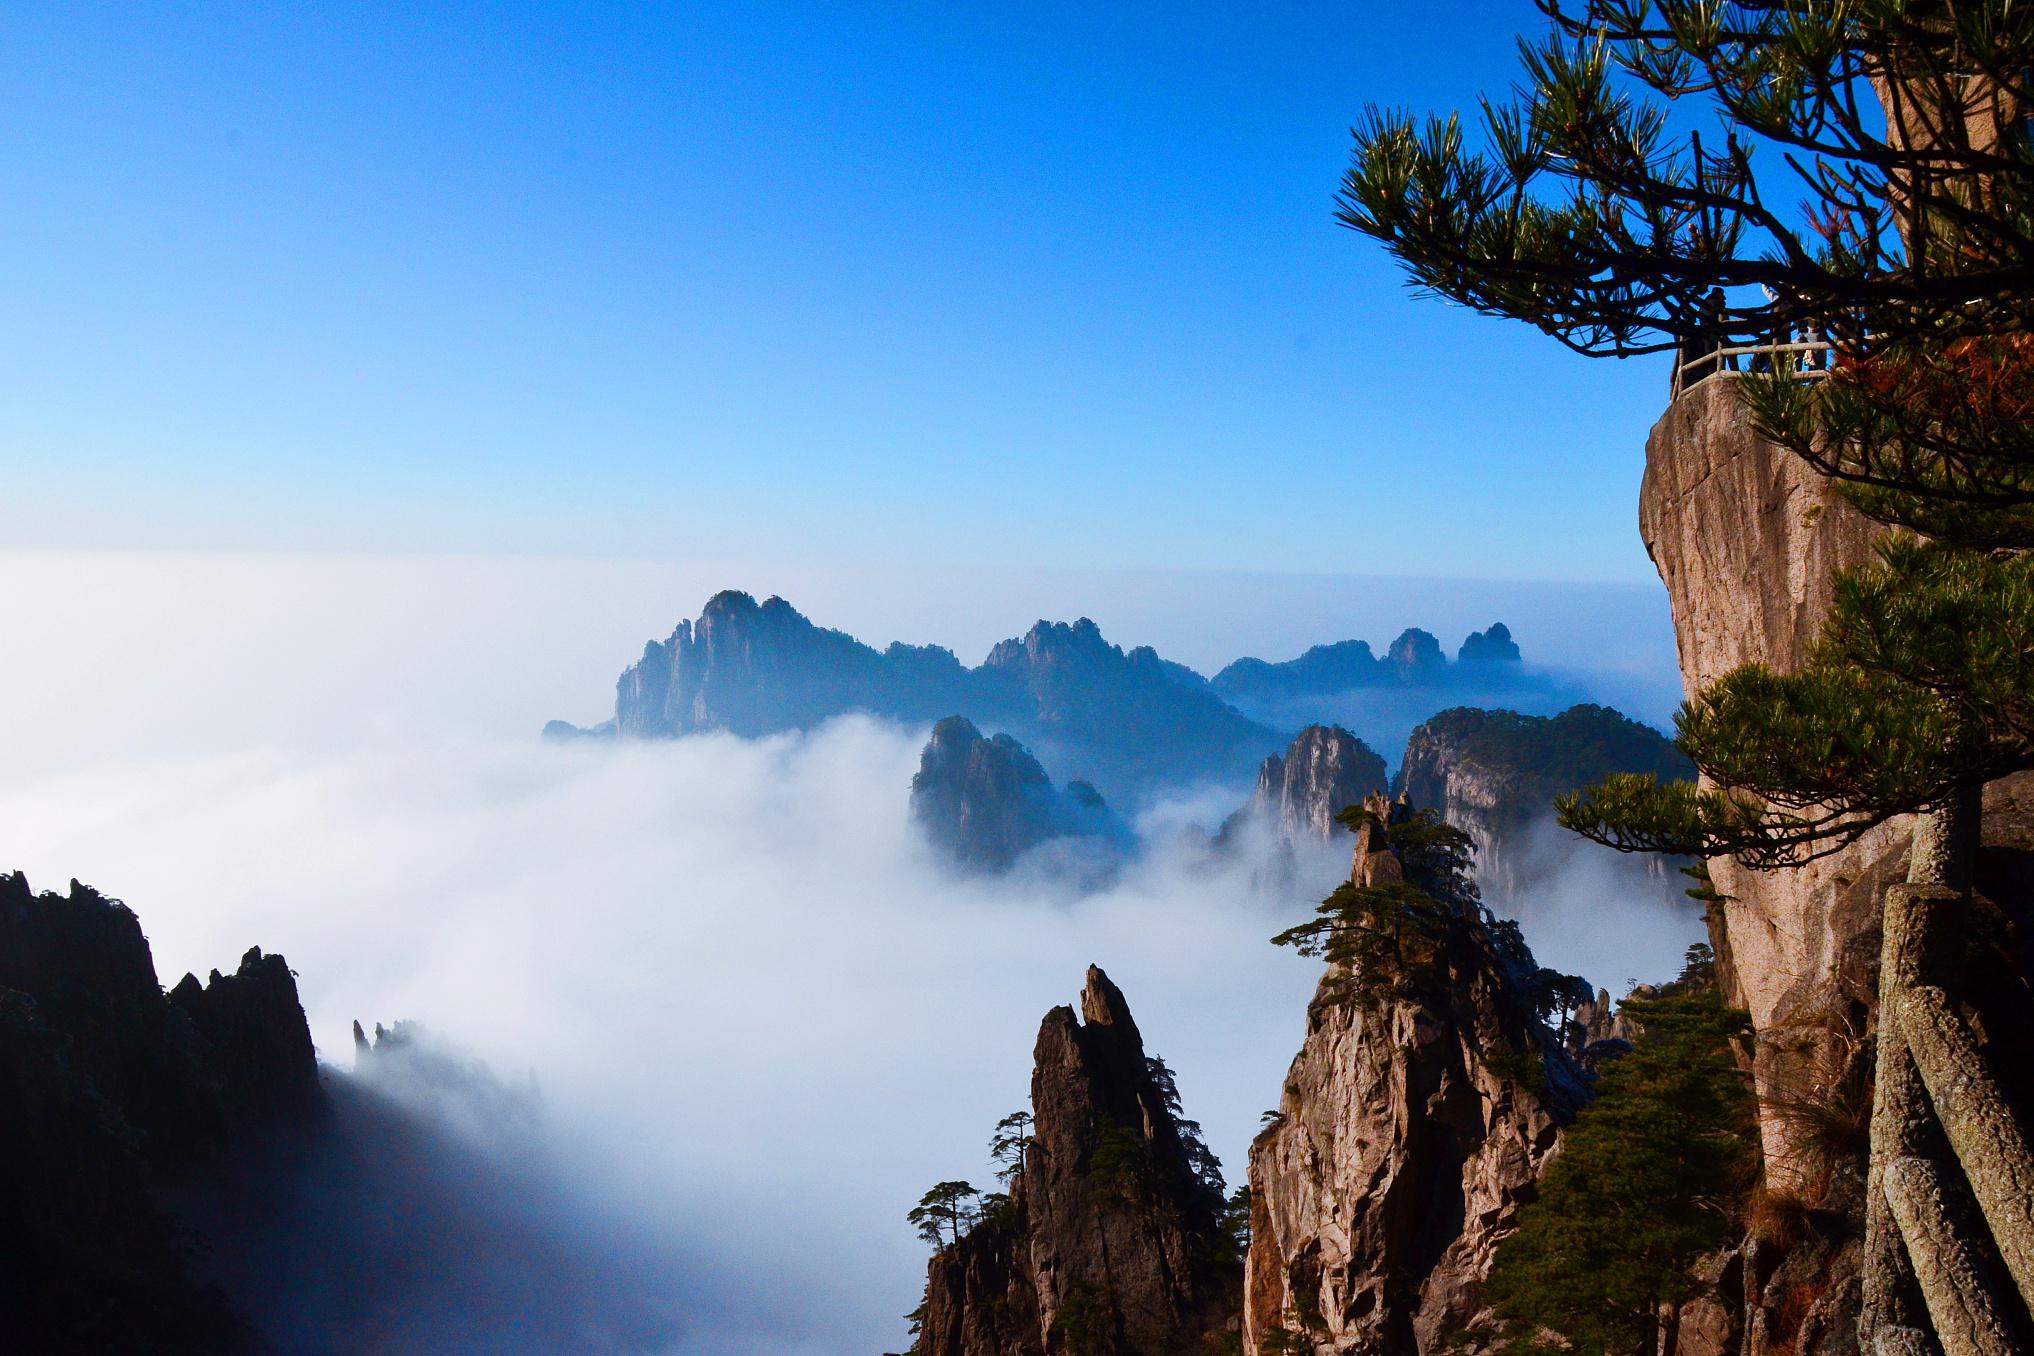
(1810, 357)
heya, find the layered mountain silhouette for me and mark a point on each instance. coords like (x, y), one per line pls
(1127, 721)
(1415, 659)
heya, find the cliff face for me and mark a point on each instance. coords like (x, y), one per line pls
(1413, 1124)
(987, 801)
(1110, 1239)
(1495, 774)
(1746, 538)
(1323, 772)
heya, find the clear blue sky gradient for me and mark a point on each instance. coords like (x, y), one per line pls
(884, 282)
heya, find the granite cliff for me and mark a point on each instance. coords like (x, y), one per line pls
(1111, 1238)
(1746, 539)
(1414, 1122)
(1495, 774)
(985, 801)
(1324, 771)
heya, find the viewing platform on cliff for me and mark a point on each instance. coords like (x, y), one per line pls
(1810, 356)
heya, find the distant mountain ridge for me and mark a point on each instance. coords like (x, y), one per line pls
(1415, 659)
(1128, 721)
(1085, 707)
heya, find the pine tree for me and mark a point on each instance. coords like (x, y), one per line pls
(1647, 1180)
(946, 1212)
(1900, 130)
(1009, 1144)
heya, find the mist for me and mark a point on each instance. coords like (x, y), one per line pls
(758, 1010)
(762, 1016)
(754, 1014)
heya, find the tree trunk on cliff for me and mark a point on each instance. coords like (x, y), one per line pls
(1670, 1329)
(1946, 842)
(1899, 1130)
(1942, 1131)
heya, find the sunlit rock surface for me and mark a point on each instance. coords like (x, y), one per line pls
(1495, 774)
(1324, 771)
(1746, 538)
(1411, 1127)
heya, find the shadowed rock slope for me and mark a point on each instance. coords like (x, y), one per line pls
(985, 802)
(1110, 1241)
(1413, 1124)
(117, 1092)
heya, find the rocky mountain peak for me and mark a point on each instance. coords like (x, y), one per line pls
(1049, 643)
(1324, 771)
(1494, 646)
(730, 604)
(1110, 1240)
(1415, 1121)
(1417, 656)
(986, 801)
(1103, 1004)
(1375, 861)
(261, 1046)
(1495, 775)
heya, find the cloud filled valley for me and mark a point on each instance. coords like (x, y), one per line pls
(760, 1015)
(759, 1012)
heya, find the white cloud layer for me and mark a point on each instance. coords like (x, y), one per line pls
(762, 1016)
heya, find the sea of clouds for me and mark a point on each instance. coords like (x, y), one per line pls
(761, 1015)
(745, 1014)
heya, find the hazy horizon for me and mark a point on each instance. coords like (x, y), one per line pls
(147, 654)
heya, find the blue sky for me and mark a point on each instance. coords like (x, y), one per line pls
(897, 284)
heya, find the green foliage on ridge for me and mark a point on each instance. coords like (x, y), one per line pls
(1651, 1176)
